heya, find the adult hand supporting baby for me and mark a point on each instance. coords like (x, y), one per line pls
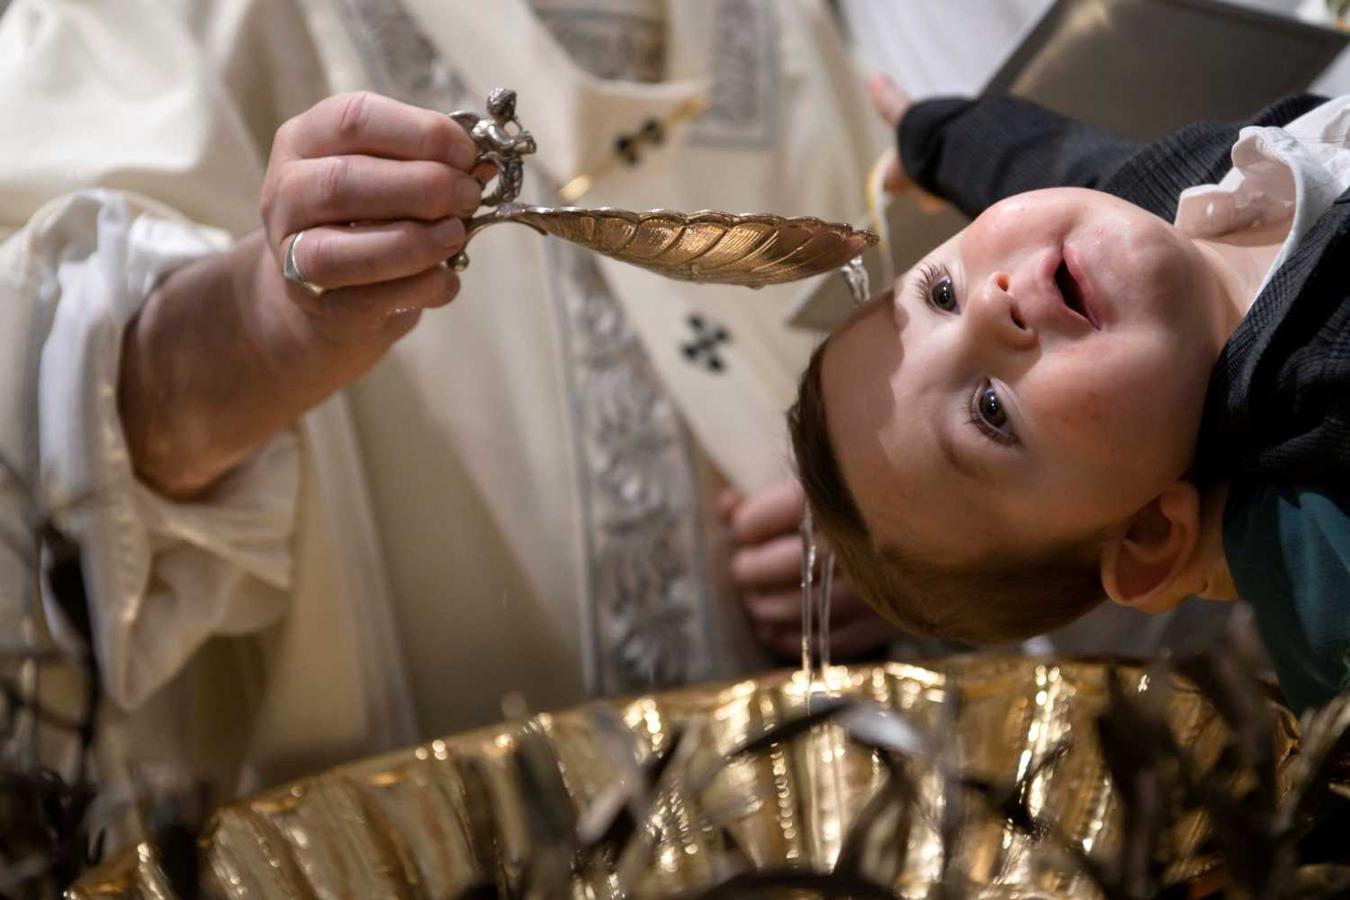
(766, 569)
(891, 103)
(227, 351)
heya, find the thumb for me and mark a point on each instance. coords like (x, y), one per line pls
(888, 99)
(893, 178)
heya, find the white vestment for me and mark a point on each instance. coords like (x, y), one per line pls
(518, 496)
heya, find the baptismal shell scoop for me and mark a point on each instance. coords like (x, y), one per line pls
(753, 250)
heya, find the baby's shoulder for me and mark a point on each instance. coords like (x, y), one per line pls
(1283, 539)
(1288, 550)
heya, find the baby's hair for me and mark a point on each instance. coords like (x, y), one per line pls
(1000, 600)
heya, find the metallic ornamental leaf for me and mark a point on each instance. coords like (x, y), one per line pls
(752, 250)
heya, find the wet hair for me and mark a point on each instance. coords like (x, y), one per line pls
(1003, 599)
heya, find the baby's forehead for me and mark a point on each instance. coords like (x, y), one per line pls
(855, 384)
(862, 310)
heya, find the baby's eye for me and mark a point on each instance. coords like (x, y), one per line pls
(942, 295)
(989, 415)
(991, 408)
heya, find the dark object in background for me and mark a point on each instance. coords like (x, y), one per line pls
(1144, 68)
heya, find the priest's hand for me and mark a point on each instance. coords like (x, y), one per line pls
(379, 190)
(226, 351)
(766, 569)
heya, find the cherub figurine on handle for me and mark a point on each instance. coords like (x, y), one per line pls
(498, 144)
(712, 247)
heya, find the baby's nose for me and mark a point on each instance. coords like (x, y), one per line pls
(998, 312)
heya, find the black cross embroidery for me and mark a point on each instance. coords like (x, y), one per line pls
(702, 348)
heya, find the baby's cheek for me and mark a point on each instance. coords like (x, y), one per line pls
(1004, 231)
(1089, 421)
(1100, 409)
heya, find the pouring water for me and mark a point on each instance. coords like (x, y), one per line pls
(816, 594)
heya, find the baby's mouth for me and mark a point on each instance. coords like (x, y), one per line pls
(1072, 293)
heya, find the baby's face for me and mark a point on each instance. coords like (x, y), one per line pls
(1032, 382)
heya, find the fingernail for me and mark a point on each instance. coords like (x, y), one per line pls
(884, 81)
(462, 155)
(468, 195)
(447, 232)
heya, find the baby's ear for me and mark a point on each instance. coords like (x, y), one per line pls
(1142, 564)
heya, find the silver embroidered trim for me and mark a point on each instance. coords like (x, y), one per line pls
(743, 112)
(646, 572)
(401, 61)
(647, 568)
(609, 43)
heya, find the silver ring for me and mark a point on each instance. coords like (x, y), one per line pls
(290, 269)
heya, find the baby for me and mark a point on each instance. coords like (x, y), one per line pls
(1139, 391)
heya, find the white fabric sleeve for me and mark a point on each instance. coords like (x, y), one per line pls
(162, 576)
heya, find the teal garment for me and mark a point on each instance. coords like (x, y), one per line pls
(1288, 550)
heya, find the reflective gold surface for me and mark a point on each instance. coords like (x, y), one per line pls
(712, 247)
(429, 821)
